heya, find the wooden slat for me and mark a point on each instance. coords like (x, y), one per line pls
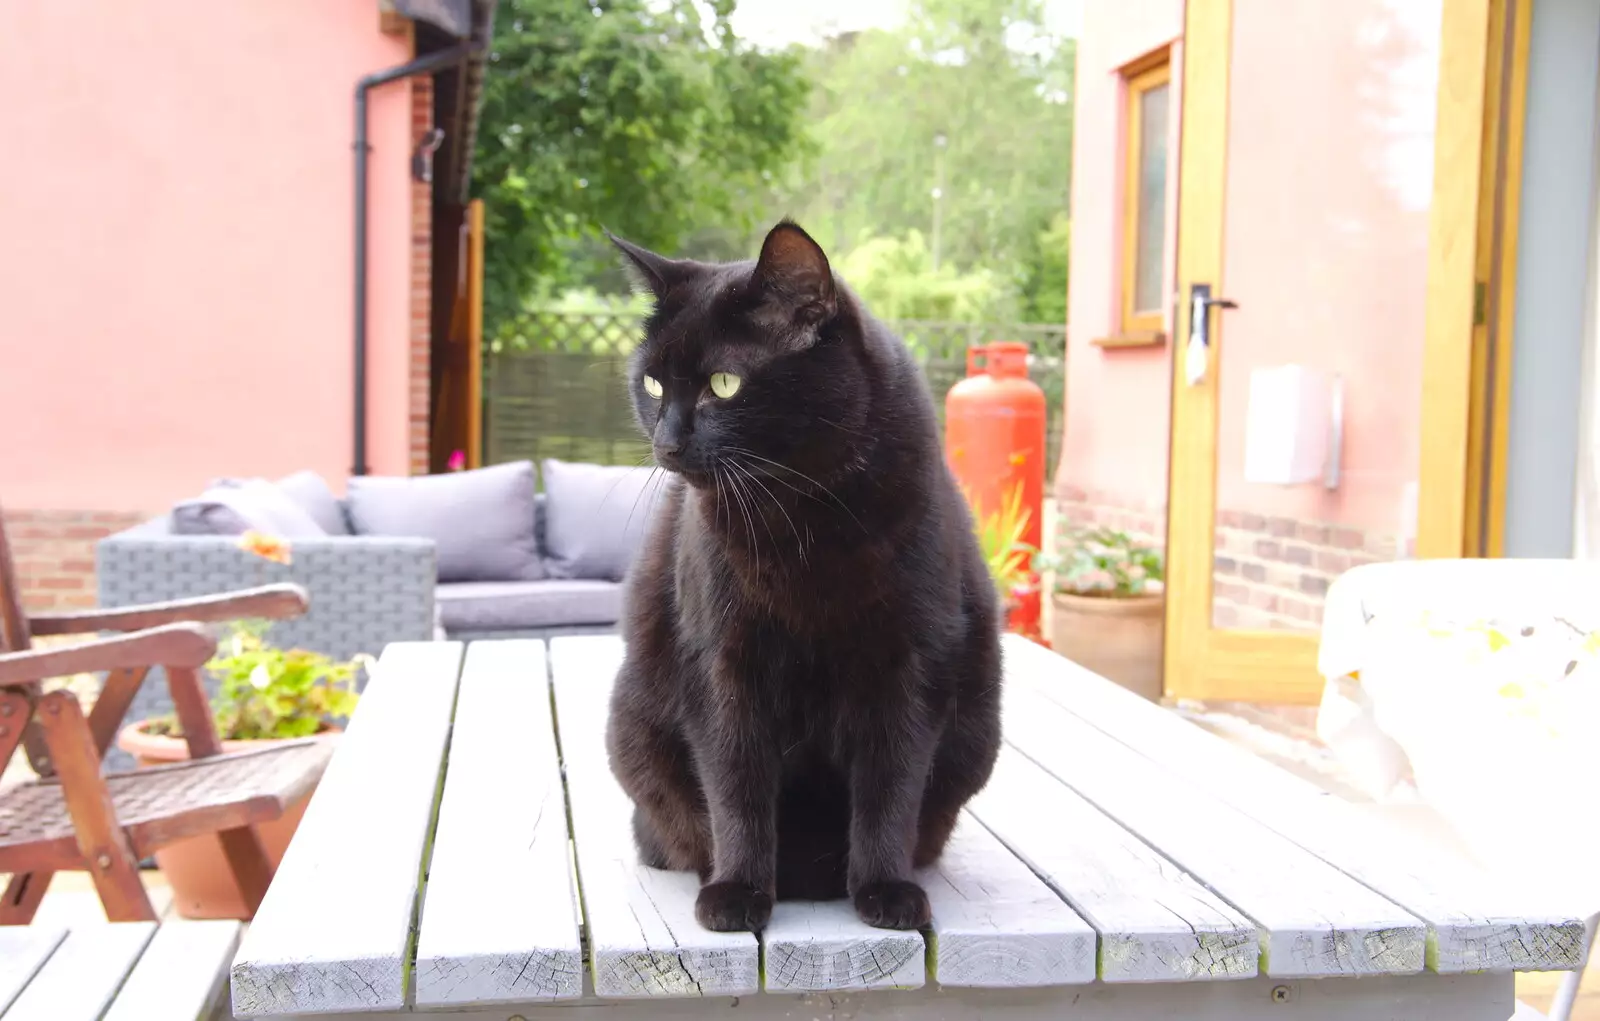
(23, 951)
(824, 947)
(181, 974)
(1156, 923)
(996, 924)
(80, 979)
(500, 919)
(1477, 922)
(643, 936)
(1318, 921)
(335, 930)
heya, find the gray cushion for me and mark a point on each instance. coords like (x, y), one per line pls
(481, 521)
(311, 494)
(509, 605)
(595, 516)
(241, 506)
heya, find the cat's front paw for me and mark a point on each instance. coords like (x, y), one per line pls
(733, 907)
(893, 904)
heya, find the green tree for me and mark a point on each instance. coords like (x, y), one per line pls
(971, 96)
(642, 116)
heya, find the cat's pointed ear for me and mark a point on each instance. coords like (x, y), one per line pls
(794, 276)
(656, 272)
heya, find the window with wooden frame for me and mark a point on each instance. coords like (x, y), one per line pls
(1148, 86)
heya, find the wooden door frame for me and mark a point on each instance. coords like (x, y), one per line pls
(1270, 666)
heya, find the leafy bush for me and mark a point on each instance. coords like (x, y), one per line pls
(1103, 562)
(896, 278)
(274, 693)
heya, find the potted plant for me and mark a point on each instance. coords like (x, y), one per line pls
(1108, 603)
(1008, 557)
(267, 694)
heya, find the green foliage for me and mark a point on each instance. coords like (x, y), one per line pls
(896, 278)
(277, 693)
(1103, 562)
(987, 77)
(1044, 288)
(1000, 538)
(647, 117)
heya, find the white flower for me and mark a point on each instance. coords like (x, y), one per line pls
(260, 679)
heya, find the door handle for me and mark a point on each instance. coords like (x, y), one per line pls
(1197, 352)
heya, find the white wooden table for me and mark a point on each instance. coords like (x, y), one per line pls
(468, 851)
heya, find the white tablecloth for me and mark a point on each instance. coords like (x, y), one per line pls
(1481, 680)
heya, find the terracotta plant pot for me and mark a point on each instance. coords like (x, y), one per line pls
(1117, 638)
(196, 869)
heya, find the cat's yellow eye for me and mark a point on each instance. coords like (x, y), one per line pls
(652, 386)
(724, 384)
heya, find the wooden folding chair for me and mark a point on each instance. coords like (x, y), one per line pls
(72, 816)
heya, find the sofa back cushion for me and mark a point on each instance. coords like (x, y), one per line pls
(481, 521)
(240, 506)
(595, 516)
(311, 493)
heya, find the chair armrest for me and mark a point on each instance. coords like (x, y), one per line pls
(177, 645)
(273, 602)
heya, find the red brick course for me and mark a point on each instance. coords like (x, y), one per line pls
(421, 286)
(54, 553)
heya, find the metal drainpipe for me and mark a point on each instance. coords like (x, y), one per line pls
(437, 61)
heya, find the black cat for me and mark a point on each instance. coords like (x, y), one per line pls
(812, 684)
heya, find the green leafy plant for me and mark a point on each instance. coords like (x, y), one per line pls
(269, 692)
(1103, 562)
(1000, 537)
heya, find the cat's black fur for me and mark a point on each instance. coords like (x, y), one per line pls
(812, 682)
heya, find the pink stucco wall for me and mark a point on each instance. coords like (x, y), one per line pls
(1329, 177)
(176, 250)
(1326, 244)
(1117, 401)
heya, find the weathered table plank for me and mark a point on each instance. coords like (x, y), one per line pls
(500, 919)
(1156, 923)
(1318, 921)
(335, 931)
(1424, 997)
(80, 979)
(998, 926)
(181, 973)
(823, 947)
(643, 936)
(1477, 922)
(23, 951)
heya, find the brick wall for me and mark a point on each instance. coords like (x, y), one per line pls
(1274, 572)
(1269, 572)
(54, 553)
(421, 284)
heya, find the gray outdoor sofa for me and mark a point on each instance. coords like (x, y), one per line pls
(488, 557)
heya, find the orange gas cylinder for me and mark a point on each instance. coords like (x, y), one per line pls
(994, 429)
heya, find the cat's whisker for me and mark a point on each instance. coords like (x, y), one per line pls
(820, 487)
(649, 481)
(749, 523)
(799, 543)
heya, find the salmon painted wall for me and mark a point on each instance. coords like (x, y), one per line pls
(1326, 245)
(1114, 449)
(176, 254)
(1325, 251)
